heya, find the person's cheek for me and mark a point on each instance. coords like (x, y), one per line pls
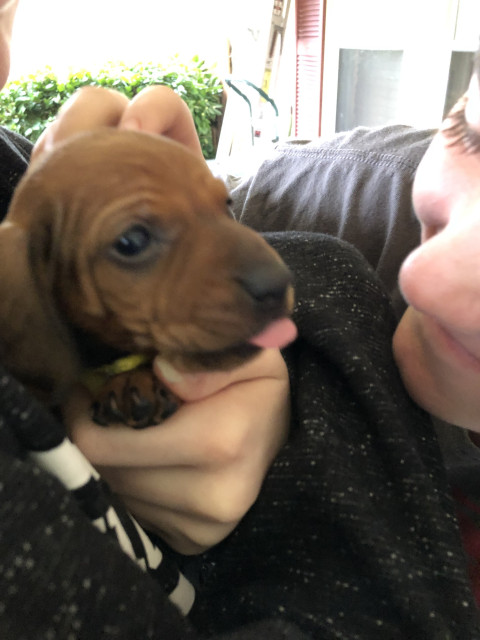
(424, 377)
(8, 9)
(438, 382)
(408, 354)
(4, 60)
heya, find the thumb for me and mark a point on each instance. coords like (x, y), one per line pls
(192, 386)
(196, 386)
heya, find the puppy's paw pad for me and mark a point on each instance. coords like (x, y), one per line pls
(135, 398)
(106, 410)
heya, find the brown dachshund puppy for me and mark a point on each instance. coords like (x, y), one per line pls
(122, 242)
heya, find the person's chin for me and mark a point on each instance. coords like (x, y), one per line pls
(433, 378)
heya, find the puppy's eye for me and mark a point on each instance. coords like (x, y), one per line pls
(133, 242)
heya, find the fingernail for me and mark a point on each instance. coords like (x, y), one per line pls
(169, 373)
(131, 124)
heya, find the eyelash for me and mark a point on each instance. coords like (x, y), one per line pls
(457, 130)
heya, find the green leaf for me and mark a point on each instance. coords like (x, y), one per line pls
(29, 104)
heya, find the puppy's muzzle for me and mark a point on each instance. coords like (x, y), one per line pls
(268, 286)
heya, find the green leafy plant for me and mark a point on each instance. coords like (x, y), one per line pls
(29, 104)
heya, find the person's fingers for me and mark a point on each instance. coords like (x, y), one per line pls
(195, 386)
(202, 506)
(88, 109)
(158, 109)
(211, 431)
(192, 509)
(216, 423)
(192, 478)
(219, 495)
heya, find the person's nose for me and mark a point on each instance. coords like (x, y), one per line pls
(442, 277)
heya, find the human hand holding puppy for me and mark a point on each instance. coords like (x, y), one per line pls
(192, 478)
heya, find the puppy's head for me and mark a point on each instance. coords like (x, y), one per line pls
(128, 237)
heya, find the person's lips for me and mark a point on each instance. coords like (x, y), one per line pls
(449, 345)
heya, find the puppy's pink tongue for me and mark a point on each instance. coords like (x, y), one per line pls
(279, 333)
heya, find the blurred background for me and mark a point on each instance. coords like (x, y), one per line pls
(325, 65)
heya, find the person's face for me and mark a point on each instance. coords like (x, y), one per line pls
(7, 14)
(437, 343)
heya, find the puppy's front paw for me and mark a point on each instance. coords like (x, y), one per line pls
(135, 398)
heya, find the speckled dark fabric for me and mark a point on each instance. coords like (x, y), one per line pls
(14, 156)
(353, 535)
(60, 579)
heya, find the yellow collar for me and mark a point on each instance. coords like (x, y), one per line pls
(93, 379)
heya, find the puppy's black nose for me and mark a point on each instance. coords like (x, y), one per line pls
(267, 284)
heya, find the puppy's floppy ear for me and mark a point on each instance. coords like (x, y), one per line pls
(35, 344)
